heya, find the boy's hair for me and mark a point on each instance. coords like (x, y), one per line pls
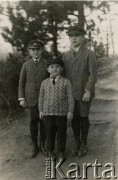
(55, 60)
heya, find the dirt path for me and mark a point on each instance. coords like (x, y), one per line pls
(15, 143)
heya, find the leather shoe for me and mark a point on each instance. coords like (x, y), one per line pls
(34, 152)
(74, 153)
(51, 155)
(77, 147)
(43, 150)
(83, 151)
(62, 156)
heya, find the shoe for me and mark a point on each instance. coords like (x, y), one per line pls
(62, 156)
(51, 155)
(43, 150)
(77, 147)
(74, 153)
(34, 152)
(83, 151)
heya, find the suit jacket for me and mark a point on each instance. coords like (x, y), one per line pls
(81, 70)
(31, 77)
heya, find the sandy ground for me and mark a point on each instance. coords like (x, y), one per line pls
(15, 143)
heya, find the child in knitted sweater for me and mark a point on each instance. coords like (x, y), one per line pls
(56, 106)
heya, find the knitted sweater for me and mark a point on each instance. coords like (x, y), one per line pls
(56, 99)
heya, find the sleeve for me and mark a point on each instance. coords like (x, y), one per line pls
(41, 97)
(93, 72)
(20, 99)
(22, 82)
(70, 96)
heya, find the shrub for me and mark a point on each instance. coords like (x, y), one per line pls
(9, 78)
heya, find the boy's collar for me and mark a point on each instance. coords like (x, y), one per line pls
(56, 77)
(38, 59)
(76, 48)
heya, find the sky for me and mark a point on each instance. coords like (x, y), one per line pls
(5, 47)
(110, 24)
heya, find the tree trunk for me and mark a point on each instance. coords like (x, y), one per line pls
(55, 39)
(81, 17)
(107, 45)
(112, 33)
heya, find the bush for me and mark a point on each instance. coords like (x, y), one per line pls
(9, 79)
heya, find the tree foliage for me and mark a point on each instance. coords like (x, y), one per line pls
(9, 77)
(35, 19)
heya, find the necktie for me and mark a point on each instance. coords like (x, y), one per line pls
(75, 52)
(36, 63)
(53, 80)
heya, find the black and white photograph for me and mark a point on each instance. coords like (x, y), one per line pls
(58, 89)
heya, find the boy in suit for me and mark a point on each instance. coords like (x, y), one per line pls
(33, 72)
(81, 69)
(56, 105)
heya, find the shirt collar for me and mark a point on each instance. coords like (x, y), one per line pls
(76, 48)
(56, 78)
(36, 59)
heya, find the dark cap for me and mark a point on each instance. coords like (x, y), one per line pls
(76, 30)
(35, 44)
(55, 60)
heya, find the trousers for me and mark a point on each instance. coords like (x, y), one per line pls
(55, 125)
(80, 123)
(33, 115)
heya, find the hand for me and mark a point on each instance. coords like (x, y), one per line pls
(41, 115)
(69, 115)
(23, 103)
(86, 96)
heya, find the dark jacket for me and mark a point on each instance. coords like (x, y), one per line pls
(31, 77)
(81, 70)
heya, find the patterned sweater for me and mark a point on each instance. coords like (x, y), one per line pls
(56, 99)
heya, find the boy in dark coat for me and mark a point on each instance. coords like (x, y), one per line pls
(81, 69)
(33, 72)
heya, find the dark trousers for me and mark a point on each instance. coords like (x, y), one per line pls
(33, 115)
(55, 125)
(80, 126)
(80, 122)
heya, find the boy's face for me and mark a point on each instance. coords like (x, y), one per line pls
(76, 40)
(55, 69)
(35, 52)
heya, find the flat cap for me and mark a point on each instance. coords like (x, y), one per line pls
(55, 60)
(35, 44)
(76, 30)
